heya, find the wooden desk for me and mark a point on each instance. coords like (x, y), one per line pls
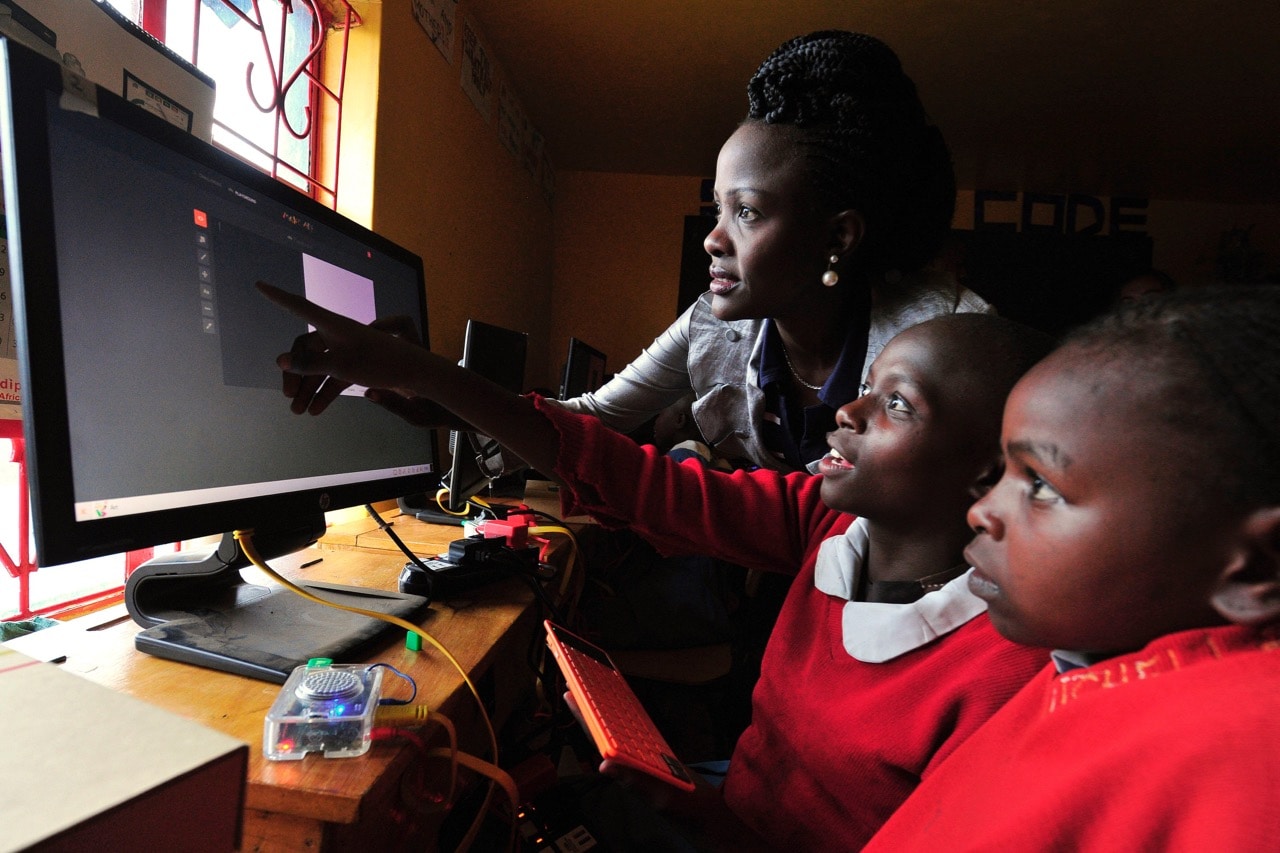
(346, 803)
(365, 535)
(424, 539)
(430, 539)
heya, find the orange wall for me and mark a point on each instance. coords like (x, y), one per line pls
(445, 188)
(426, 170)
(618, 237)
(617, 260)
(602, 262)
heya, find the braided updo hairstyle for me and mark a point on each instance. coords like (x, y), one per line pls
(1217, 352)
(869, 145)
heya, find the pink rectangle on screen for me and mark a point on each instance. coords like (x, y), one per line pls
(341, 291)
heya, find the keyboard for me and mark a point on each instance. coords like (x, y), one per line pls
(623, 731)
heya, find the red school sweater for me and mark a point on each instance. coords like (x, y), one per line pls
(1173, 748)
(835, 744)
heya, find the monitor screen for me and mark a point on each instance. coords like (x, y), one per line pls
(497, 354)
(153, 410)
(583, 370)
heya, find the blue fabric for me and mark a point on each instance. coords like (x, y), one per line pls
(20, 628)
(713, 771)
(799, 434)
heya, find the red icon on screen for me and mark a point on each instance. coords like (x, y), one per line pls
(202, 218)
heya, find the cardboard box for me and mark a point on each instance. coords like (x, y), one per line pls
(86, 768)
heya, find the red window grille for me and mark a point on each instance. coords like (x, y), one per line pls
(297, 78)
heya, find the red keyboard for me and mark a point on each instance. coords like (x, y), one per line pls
(621, 728)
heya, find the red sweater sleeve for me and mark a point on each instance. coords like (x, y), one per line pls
(758, 519)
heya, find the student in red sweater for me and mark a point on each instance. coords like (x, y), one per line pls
(1137, 529)
(882, 661)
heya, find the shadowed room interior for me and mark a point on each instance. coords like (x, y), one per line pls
(1165, 100)
(1051, 109)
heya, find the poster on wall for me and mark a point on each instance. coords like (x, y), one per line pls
(512, 123)
(497, 101)
(547, 177)
(10, 386)
(519, 136)
(533, 153)
(477, 71)
(436, 17)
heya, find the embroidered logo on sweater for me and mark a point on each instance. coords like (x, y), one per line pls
(1172, 654)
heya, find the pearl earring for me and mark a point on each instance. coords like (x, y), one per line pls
(830, 277)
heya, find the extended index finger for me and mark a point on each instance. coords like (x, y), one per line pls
(299, 305)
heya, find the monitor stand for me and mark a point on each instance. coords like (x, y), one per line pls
(435, 516)
(424, 508)
(195, 607)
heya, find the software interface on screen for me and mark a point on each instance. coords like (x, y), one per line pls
(174, 398)
(152, 404)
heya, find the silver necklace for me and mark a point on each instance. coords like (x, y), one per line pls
(787, 358)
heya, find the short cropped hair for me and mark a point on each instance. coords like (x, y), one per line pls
(1218, 351)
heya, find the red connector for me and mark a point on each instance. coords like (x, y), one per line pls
(514, 529)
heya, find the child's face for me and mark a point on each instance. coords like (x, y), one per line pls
(907, 451)
(768, 248)
(1085, 543)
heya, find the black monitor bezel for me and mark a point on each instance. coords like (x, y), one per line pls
(466, 477)
(29, 214)
(579, 350)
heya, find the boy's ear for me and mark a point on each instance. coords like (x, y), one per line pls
(1248, 592)
(848, 228)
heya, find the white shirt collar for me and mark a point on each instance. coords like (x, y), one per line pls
(875, 632)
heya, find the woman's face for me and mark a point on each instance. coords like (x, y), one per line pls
(770, 244)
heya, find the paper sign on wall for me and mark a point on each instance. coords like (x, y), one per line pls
(436, 17)
(477, 71)
(10, 386)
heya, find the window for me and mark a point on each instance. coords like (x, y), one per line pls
(58, 589)
(274, 104)
(266, 64)
(243, 54)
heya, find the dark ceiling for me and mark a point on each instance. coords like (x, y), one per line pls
(1174, 100)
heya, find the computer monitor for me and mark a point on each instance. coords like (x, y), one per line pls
(583, 370)
(153, 409)
(498, 354)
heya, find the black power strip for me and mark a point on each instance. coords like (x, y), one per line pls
(472, 562)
